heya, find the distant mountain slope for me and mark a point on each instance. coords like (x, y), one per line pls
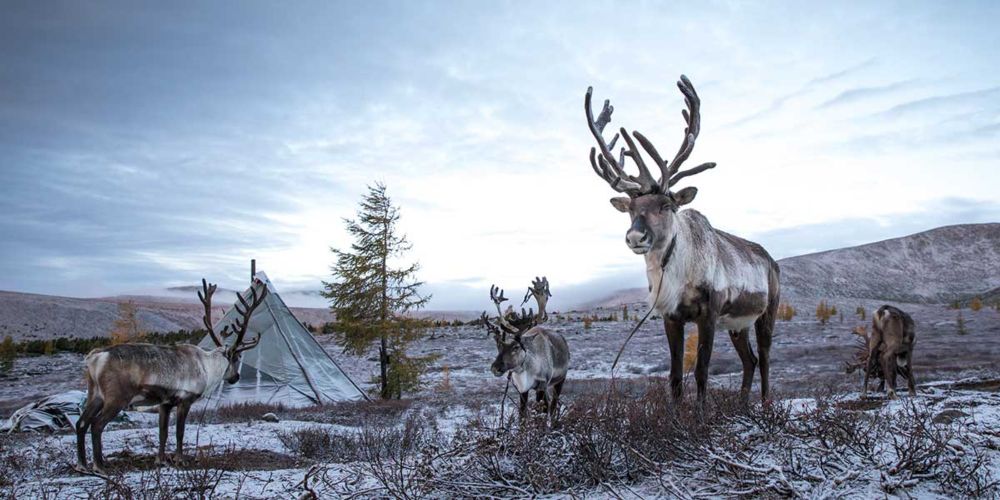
(940, 265)
(31, 316)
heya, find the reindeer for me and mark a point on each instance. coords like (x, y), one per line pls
(891, 346)
(696, 273)
(537, 359)
(165, 376)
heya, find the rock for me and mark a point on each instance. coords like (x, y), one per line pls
(270, 417)
(948, 416)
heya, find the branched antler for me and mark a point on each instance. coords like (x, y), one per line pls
(613, 172)
(539, 289)
(205, 296)
(245, 311)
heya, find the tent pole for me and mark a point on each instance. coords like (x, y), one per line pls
(253, 269)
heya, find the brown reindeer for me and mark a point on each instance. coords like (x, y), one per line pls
(164, 376)
(890, 347)
(536, 358)
(696, 273)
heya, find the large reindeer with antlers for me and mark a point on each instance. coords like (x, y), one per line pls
(536, 358)
(164, 376)
(696, 273)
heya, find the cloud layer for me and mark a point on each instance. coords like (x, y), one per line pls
(147, 146)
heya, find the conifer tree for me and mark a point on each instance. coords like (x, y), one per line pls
(370, 297)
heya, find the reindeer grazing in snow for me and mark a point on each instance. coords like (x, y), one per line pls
(890, 346)
(166, 376)
(696, 273)
(536, 358)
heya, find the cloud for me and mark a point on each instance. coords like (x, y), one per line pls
(863, 93)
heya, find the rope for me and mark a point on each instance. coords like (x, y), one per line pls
(656, 297)
(502, 401)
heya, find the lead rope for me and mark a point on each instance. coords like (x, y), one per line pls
(656, 297)
(502, 401)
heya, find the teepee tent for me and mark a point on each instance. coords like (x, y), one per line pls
(288, 366)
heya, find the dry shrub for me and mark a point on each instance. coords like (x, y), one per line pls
(785, 311)
(248, 411)
(636, 433)
(691, 350)
(318, 443)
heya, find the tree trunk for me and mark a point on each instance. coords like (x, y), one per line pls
(383, 357)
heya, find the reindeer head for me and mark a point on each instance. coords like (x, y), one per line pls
(245, 310)
(510, 353)
(651, 203)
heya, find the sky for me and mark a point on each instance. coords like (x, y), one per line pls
(145, 145)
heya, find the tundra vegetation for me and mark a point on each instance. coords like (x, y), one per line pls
(371, 299)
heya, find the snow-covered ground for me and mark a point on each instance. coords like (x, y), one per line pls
(250, 458)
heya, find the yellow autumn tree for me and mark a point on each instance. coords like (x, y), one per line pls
(126, 327)
(976, 304)
(824, 312)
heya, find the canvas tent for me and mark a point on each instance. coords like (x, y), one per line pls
(288, 366)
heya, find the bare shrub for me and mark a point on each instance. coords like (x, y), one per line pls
(318, 443)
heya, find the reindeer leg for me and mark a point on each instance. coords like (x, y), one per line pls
(764, 329)
(706, 338)
(675, 341)
(554, 408)
(90, 410)
(109, 411)
(910, 383)
(182, 412)
(889, 372)
(741, 341)
(161, 455)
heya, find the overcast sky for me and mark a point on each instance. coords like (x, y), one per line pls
(147, 146)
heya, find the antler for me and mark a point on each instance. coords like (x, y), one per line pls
(613, 172)
(509, 320)
(241, 324)
(205, 296)
(604, 163)
(692, 116)
(492, 329)
(539, 289)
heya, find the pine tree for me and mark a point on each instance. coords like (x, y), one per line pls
(370, 298)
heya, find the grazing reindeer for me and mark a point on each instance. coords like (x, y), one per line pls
(891, 345)
(859, 360)
(167, 376)
(696, 273)
(536, 358)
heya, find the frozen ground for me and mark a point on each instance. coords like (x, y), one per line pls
(250, 458)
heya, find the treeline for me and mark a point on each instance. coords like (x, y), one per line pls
(85, 345)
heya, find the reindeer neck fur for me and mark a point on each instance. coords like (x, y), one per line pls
(540, 365)
(732, 276)
(681, 267)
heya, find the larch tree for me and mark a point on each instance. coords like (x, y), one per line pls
(371, 297)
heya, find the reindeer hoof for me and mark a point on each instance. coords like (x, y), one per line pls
(181, 460)
(81, 468)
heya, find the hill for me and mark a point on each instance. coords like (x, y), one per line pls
(940, 265)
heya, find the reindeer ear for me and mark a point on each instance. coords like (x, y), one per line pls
(686, 195)
(621, 203)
